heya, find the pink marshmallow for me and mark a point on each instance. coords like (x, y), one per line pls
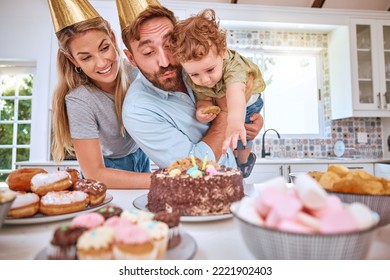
(338, 221)
(286, 208)
(292, 226)
(308, 221)
(268, 198)
(332, 203)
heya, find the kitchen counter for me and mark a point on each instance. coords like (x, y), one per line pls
(216, 240)
(329, 160)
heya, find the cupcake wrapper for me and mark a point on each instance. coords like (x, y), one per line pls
(121, 255)
(61, 252)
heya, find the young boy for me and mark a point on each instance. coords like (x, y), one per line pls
(219, 76)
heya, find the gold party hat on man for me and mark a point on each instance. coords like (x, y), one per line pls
(65, 13)
(128, 10)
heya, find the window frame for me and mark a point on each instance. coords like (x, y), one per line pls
(258, 54)
(17, 67)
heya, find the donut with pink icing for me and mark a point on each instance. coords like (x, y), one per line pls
(43, 183)
(26, 204)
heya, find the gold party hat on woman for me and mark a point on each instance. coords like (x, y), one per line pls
(65, 13)
(128, 10)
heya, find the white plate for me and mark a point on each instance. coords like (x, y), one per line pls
(339, 148)
(40, 218)
(184, 251)
(141, 201)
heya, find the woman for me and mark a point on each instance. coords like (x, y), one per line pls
(87, 106)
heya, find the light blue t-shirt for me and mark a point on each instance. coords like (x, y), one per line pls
(164, 126)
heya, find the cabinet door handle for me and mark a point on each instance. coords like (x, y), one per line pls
(281, 170)
(289, 169)
(379, 101)
(384, 101)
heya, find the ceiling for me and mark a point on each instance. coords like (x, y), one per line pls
(376, 5)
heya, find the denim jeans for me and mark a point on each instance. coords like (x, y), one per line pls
(254, 108)
(137, 162)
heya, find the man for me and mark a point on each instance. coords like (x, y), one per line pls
(159, 108)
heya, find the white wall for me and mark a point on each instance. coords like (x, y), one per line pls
(25, 30)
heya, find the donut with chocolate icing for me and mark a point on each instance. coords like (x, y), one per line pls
(95, 190)
(74, 175)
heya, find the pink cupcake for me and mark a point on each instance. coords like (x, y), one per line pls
(116, 221)
(133, 243)
(89, 220)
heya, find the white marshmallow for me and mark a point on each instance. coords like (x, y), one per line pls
(276, 183)
(362, 214)
(312, 195)
(247, 211)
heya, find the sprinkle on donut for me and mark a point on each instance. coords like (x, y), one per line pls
(96, 190)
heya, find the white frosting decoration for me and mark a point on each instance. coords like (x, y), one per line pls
(24, 199)
(63, 197)
(49, 178)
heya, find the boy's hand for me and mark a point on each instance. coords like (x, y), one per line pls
(234, 132)
(204, 118)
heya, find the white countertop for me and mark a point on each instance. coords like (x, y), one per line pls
(216, 240)
(330, 160)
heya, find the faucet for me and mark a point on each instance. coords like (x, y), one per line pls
(263, 152)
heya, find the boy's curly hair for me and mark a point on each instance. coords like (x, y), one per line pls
(193, 38)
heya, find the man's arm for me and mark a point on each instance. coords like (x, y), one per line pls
(167, 131)
(216, 134)
(253, 129)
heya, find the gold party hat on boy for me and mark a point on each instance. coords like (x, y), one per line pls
(65, 13)
(128, 10)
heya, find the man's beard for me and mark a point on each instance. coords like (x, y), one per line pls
(169, 84)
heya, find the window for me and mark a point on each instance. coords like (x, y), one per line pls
(16, 84)
(292, 103)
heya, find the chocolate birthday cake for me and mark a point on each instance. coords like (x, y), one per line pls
(195, 188)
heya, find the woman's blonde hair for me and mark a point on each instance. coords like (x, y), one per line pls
(69, 78)
(194, 37)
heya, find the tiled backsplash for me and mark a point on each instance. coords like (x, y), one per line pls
(345, 129)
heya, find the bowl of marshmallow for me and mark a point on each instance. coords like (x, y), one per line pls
(303, 221)
(6, 199)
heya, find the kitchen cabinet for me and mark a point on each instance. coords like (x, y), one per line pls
(365, 64)
(371, 65)
(368, 167)
(382, 170)
(264, 172)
